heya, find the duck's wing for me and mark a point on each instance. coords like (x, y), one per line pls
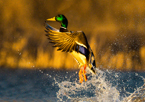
(47, 26)
(66, 41)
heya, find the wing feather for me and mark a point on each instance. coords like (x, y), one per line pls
(65, 41)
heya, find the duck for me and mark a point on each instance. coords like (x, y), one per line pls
(73, 42)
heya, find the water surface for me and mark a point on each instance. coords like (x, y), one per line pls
(63, 85)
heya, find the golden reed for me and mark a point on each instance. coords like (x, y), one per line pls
(115, 31)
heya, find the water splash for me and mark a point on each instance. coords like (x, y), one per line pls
(96, 89)
(137, 96)
(106, 86)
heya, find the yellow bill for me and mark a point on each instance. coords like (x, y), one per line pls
(51, 19)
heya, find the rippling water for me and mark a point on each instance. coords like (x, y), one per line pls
(53, 85)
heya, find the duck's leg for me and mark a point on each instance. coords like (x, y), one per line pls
(82, 73)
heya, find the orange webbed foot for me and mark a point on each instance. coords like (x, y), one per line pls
(82, 73)
(80, 76)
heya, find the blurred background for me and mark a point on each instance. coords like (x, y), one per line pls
(115, 30)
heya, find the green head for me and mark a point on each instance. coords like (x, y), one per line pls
(60, 18)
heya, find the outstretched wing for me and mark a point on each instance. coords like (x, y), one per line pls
(65, 41)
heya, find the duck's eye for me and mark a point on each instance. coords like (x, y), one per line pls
(59, 18)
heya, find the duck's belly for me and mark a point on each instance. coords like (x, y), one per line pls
(81, 59)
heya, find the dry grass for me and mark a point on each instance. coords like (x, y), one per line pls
(115, 31)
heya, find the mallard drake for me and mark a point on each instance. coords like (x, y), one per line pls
(73, 42)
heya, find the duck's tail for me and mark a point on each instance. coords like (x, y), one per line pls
(92, 63)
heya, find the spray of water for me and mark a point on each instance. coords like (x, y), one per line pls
(100, 88)
(96, 89)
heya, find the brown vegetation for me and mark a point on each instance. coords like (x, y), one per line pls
(115, 31)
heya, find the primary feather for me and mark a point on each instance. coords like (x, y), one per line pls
(66, 41)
